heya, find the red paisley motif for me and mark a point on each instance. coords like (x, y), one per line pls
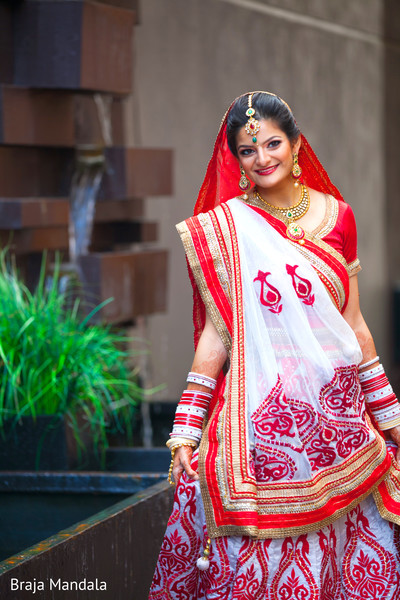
(302, 287)
(331, 441)
(330, 576)
(342, 395)
(273, 418)
(271, 464)
(369, 570)
(269, 294)
(305, 417)
(294, 579)
(251, 577)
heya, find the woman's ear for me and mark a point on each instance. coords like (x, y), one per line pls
(296, 145)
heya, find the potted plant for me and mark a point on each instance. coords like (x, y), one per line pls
(59, 368)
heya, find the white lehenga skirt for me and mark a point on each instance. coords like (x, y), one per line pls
(355, 558)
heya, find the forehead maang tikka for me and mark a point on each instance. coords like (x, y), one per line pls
(252, 126)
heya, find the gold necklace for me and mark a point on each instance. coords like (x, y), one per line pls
(289, 214)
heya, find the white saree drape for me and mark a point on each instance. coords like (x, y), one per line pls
(296, 334)
(303, 413)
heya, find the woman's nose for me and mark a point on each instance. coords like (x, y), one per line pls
(263, 157)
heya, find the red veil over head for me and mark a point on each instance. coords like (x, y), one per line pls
(223, 172)
(221, 183)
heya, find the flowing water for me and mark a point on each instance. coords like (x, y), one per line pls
(84, 190)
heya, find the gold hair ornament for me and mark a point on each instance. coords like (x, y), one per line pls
(252, 126)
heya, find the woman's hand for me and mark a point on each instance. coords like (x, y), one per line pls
(182, 460)
(394, 434)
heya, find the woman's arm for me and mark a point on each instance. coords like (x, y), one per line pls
(209, 359)
(352, 314)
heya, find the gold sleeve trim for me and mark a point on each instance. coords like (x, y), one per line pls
(354, 267)
(201, 282)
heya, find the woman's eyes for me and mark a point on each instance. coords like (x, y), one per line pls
(248, 151)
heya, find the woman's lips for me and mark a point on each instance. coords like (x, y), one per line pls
(267, 171)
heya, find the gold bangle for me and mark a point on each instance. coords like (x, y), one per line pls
(176, 442)
(173, 450)
(171, 466)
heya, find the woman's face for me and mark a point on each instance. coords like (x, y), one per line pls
(268, 162)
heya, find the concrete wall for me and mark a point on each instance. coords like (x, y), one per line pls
(328, 60)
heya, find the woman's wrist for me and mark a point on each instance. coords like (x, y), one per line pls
(369, 363)
(190, 413)
(174, 444)
(380, 398)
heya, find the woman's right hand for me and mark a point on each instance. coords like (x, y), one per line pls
(182, 460)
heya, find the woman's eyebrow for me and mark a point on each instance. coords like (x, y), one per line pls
(266, 141)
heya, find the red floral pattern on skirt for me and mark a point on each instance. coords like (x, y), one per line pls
(355, 558)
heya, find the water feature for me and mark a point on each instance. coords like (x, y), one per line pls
(84, 190)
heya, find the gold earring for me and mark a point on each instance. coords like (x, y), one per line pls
(244, 183)
(296, 169)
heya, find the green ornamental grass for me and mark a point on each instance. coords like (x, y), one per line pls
(54, 361)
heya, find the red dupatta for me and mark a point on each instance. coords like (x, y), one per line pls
(221, 183)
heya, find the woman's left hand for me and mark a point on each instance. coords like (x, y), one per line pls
(394, 434)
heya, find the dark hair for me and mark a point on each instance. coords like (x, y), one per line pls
(266, 107)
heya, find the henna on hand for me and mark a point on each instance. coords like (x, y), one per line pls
(182, 460)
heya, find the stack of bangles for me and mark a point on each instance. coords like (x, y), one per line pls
(379, 395)
(189, 416)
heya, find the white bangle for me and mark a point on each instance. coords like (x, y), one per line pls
(202, 380)
(369, 363)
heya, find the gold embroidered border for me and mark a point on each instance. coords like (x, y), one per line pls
(329, 221)
(304, 496)
(354, 267)
(325, 269)
(394, 493)
(216, 214)
(210, 230)
(206, 295)
(274, 533)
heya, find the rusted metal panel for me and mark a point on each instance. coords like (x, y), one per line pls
(36, 505)
(129, 4)
(107, 48)
(44, 172)
(136, 280)
(118, 546)
(36, 117)
(59, 118)
(73, 45)
(25, 241)
(21, 213)
(137, 172)
(149, 171)
(107, 236)
(6, 45)
(119, 210)
(30, 172)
